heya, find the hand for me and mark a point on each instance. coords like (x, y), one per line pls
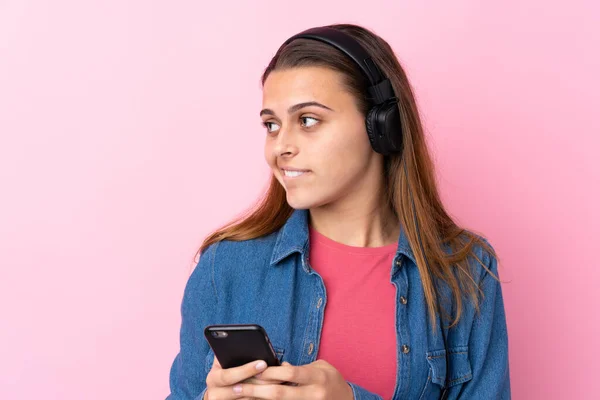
(220, 381)
(318, 380)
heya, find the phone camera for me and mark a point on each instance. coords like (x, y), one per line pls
(219, 334)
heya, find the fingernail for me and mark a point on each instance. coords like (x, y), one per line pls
(261, 365)
(237, 389)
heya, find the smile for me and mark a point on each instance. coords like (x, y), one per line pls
(294, 174)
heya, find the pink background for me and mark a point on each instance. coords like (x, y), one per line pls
(130, 129)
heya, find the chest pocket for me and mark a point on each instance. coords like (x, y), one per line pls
(210, 357)
(458, 371)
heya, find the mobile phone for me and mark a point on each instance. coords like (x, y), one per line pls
(239, 344)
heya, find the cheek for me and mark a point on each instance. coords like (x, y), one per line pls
(347, 160)
(340, 153)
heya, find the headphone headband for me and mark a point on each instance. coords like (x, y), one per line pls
(380, 87)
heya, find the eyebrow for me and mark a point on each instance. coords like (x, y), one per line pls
(296, 107)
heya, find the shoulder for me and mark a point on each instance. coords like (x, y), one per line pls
(482, 263)
(249, 250)
(226, 257)
(229, 261)
(482, 257)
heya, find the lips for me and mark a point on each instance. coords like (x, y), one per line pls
(292, 174)
(293, 169)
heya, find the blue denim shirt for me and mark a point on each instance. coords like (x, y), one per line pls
(269, 281)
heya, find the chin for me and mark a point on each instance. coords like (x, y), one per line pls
(299, 204)
(304, 203)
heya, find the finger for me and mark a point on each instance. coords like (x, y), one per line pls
(270, 392)
(286, 383)
(257, 381)
(288, 373)
(231, 376)
(225, 393)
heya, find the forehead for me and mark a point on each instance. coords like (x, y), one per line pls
(301, 84)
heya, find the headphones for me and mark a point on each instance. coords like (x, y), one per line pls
(383, 118)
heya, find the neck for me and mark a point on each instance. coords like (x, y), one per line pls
(374, 226)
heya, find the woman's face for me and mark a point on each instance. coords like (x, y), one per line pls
(312, 124)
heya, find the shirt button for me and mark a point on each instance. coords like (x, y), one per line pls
(403, 300)
(310, 348)
(319, 302)
(398, 262)
(405, 349)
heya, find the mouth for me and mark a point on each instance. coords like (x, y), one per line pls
(294, 174)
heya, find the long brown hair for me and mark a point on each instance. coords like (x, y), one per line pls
(413, 168)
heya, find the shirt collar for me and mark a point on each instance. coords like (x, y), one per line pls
(294, 236)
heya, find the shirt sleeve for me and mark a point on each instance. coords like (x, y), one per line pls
(488, 345)
(187, 379)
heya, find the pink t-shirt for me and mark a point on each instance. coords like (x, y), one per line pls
(359, 330)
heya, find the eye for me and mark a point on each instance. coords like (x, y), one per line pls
(310, 124)
(269, 126)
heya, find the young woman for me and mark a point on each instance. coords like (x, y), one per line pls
(365, 285)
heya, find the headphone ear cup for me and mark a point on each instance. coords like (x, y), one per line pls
(371, 124)
(384, 128)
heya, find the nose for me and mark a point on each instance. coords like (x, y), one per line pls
(284, 144)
